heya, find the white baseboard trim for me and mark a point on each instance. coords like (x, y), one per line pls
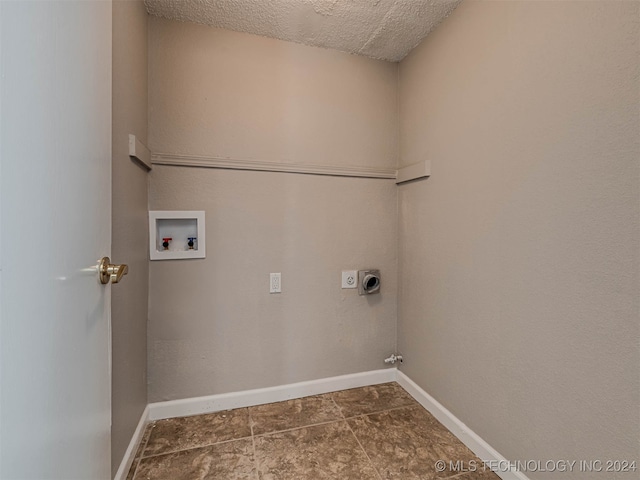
(247, 398)
(130, 453)
(476, 444)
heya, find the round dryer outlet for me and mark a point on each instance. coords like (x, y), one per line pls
(368, 282)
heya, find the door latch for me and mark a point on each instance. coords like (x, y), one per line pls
(110, 273)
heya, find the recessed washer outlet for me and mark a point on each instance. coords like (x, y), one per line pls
(176, 235)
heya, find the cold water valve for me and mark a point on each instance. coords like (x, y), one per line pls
(191, 242)
(393, 359)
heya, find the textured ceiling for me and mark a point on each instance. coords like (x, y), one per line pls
(382, 29)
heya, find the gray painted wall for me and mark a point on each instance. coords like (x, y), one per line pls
(130, 227)
(214, 327)
(218, 92)
(519, 259)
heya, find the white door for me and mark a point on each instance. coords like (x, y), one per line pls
(55, 197)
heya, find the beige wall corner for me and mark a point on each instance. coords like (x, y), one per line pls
(130, 227)
(518, 266)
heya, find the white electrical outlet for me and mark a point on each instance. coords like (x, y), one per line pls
(275, 283)
(349, 279)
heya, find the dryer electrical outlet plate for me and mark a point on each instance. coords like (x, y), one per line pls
(349, 279)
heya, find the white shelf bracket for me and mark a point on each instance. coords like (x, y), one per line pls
(139, 151)
(413, 172)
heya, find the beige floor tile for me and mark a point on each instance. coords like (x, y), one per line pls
(321, 452)
(375, 398)
(197, 431)
(293, 414)
(401, 440)
(223, 461)
(479, 474)
(406, 443)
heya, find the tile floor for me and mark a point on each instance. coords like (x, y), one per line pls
(378, 432)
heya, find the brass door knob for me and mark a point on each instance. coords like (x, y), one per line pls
(110, 273)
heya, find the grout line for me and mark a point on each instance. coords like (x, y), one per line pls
(363, 450)
(457, 475)
(336, 404)
(342, 417)
(330, 394)
(357, 440)
(382, 411)
(328, 422)
(196, 446)
(253, 441)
